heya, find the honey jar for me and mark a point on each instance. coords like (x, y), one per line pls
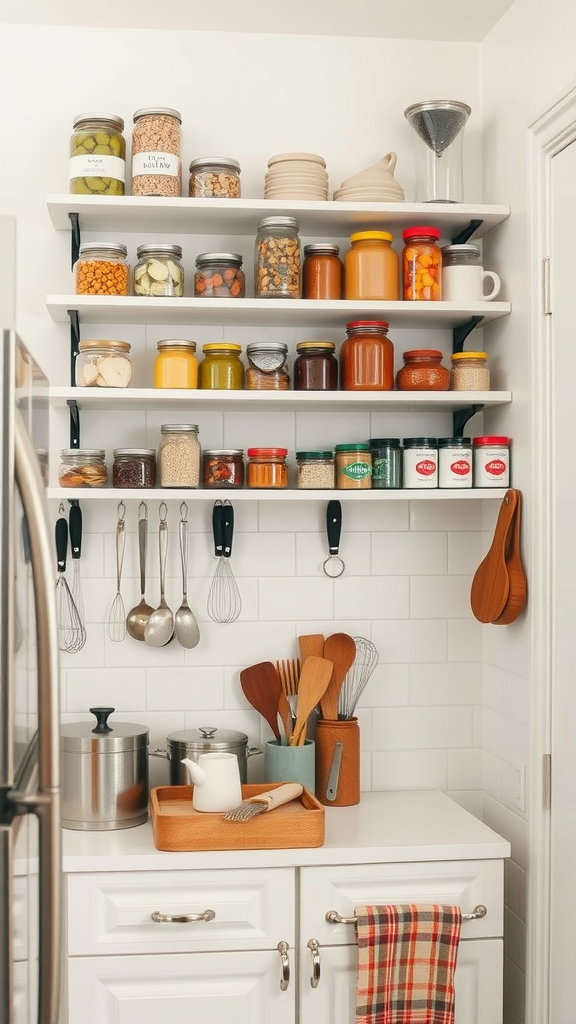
(371, 268)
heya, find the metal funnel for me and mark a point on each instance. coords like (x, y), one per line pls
(438, 122)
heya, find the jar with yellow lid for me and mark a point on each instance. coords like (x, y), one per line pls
(371, 267)
(315, 366)
(221, 368)
(469, 372)
(176, 365)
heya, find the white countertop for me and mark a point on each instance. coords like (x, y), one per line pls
(382, 828)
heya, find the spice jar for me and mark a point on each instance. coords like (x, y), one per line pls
(267, 467)
(134, 467)
(156, 142)
(277, 271)
(179, 455)
(221, 368)
(82, 467)
(491, 461)
(223, 467)
(267, 366)
(454, 462)
(422, 264)
(102, 269)
(176, 365)
(386, 455)
(159, 271)
(371, 269)
(367, 357)
(219, 275)
(322, 271)
(420, 462)
(353, 466)
(213, 177)
(315, 366)
(469, 372)
(423, 371)
(103, 364)
(97, 155)
(315, 470)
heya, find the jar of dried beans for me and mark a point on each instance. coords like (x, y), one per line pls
(315, 470)
(156, 144)
(159, 271)
(277, 271)
(102, 269)
(315, 366)
(267, 467)
(423, 371)
(134, 467)
(214, 178)
(422, 264)
(322, 271)
(267, 366)
(219, 275)
(367, 357)
(223, 467)
(97, 155)
(179, 455)
(82, 467)
(470, 372)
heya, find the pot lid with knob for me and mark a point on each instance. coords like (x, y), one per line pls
(103, 737)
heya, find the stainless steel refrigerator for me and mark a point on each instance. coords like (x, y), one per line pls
(31, 940)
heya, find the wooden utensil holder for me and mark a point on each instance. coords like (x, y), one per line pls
(329, 733)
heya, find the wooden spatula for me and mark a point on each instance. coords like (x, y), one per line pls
(311, 644)
(314, 679)
(261, 687)
(518, 590)
(491, 584)
(340, 649)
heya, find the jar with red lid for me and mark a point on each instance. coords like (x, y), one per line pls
(267, 467)
(491, 461)
(367, 357)
(423, 371)
(422, 264)
(315, 366)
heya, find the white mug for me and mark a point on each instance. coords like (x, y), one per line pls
(466, 284)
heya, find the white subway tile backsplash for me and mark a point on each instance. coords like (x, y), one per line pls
(464, 640)
(407, 553)
(388, 686)
(381, 597)
(187, 688)
(445, 515)
(422, 640)
(449, 683)
(286, 598)
(464, 553)
(421, 728)
(399, 770)
(465, 769)
(445, 596)
(93, 687)
(312, 551)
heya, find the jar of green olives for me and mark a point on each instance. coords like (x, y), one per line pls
(97, 155)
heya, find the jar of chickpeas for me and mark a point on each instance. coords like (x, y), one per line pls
(156, 144)
(422, 264)
(102, 269)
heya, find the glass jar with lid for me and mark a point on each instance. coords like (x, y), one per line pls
(277, 269)
(423, 371)
(267, 366)
(315, 470)
(353, 466)
(470, 372)
(422, 264)
(97, 163)
(315, 366)
(134, 467)
(223, 467)
(371, 268)
(386, 455)
(221, 369)
(102, 269)
(103, 364)
(159, 271)
(420, 463)
(214, 177)
(82, 467)
(367, 357)
(322, 271)
(156, 145)
(179, 455)
(219, 275)
(176, 365)
(267, 467)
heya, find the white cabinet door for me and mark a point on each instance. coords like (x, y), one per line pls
(215, 987)
(478, 983)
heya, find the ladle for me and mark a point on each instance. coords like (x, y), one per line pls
(138, 615)
(159, 629)
(185, 624)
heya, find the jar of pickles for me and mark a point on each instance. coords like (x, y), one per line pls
(267, 467)
(315, 366)
(159, 271)
(213, 177)
(97, 163)
(219, 275)
(422, 264)
(277, 270)
(371, 269)
(221, 368)
(322, 271)
(82, 467)
(102, 269)
(176, 365)
(156, 143)
(267, 366)
(367, 357)
(223, 467)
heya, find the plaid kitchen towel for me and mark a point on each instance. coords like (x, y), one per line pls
(406, 962)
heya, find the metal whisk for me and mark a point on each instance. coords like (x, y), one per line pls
(224, 600)
(357, 676)
(71, 631)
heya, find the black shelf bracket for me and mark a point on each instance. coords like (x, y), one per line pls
(460, 333)
(74, 238)
(460, 419)
(462, 237)
(72, 403)
(74, 422)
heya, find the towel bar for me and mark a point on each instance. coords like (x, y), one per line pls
(333, 917)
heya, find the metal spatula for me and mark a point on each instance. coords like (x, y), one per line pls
(264, 802)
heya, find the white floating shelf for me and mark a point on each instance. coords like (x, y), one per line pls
(288, 494)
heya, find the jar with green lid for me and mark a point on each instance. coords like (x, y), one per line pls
(179, 455)
(219, 275)
(315, 470)
(214, 177)
(315, 366)
(353, 466)
(386, 462)
(221, 369)
(97, 164)
(277, 271)
(159, 271)
(267, 366)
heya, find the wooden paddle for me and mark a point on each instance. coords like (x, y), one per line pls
(261, 686)
(311, 644)
(314, 679)
(491, 584)
(517, 592)
(340, 649)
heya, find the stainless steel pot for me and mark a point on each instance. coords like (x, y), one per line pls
(193, 742)
(104, 773)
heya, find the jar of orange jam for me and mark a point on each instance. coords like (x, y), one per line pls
(422, 264)
(176, 365)
(371, 267)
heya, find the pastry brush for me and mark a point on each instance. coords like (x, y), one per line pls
(264, 802)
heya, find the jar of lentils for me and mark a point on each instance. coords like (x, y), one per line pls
(159, 271)
(315, 470)
(82, 467)
(219, 275)
(179, 455)
(213, 177)
(470, 372)
(267, 366)
(102, 269)
(156, 144)
(97, 155)
(223, 467)
(277, 271)
(134, 467)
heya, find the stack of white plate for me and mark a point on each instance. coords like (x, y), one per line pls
(376, 184)
(296, 176)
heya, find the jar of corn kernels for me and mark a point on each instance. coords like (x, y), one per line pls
(102, 269)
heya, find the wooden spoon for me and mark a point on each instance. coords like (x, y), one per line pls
(491, 584)
(340, 649)
(312, 685)
(311, 644)
(261, 687)
(517, 593)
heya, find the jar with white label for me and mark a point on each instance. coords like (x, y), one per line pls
(454, 462)
(97, 155)
(353, 466)
(156, 145)
(491, 461)
(420, 462)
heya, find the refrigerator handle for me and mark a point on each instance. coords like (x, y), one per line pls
(45, 803)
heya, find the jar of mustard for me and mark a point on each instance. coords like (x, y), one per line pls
(371, 267)
(176, 365)
(221, 369)
(97, 155)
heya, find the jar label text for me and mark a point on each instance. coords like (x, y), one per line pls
(357, 470)
(156, 163)
(96, 165)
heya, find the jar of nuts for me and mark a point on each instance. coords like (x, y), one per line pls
(159, 271)
(82, 467)
(213, 177)
(103, 364)
(179, 455)
(277, 271)
(97, 155)
(102, 269)
(219, 275)
(156, 143)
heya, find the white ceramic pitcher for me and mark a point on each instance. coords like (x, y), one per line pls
(216, 781)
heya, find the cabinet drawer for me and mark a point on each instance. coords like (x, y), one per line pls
(111, 912)
(464, 883)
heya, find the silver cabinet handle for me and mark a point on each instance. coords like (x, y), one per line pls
(314, 947)
(159, 918)
(333, 917)
(283, 948)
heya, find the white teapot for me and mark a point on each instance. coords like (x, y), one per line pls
(216, 781)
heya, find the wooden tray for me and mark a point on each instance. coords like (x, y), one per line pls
(177, 826)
